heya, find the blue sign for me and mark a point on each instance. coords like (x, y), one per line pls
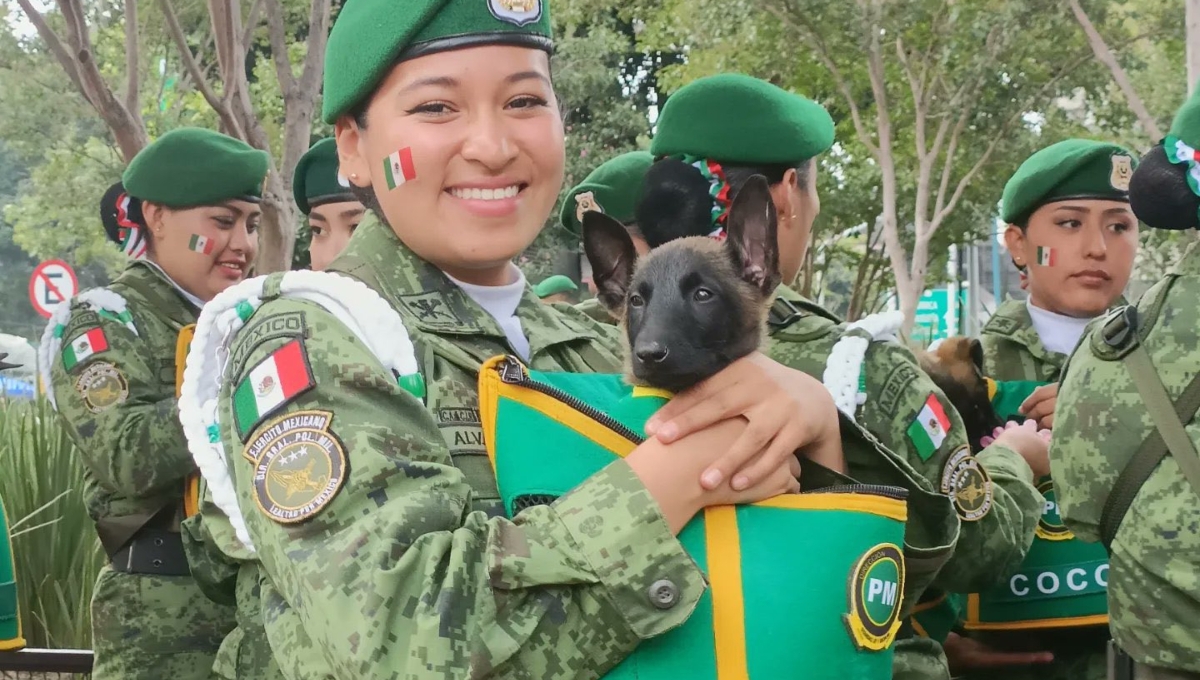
(16, 389)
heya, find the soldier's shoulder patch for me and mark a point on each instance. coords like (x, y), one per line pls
(876, 597)
(263, 329)
(84, 346)
(968, 485)
(102, 386)
(300, 466)
(889, 397)
(273, 382)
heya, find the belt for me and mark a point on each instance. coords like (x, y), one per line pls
(153, 551)
(1122, 667)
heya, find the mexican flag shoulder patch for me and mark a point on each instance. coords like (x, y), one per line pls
(91, 343)
(929, 429)
(272, 383)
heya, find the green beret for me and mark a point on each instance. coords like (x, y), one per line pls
(1183, 141)
(371, 36)
(1072, 168)
(738, 119)
(192, 166)
(614, 189)
(555, 284)
(317, 180)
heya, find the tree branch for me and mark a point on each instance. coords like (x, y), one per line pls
(193, 70)
(279, 49)
(132, 98)
(252, 20)
(318, 38)
(55, 44)
(1105, 56)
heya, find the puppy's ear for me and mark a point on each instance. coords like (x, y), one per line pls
(977, 354)
(609, 248)
(750, 235)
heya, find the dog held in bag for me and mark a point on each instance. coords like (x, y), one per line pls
(693, 305)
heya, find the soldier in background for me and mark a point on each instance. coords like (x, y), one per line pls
(323, 194)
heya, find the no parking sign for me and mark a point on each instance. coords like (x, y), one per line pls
(53, 283)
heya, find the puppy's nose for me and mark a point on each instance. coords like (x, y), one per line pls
(651, 353)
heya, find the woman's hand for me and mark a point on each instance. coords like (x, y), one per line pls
(787, 410)
(1032, 445)
(965, 654)
(1039, 406)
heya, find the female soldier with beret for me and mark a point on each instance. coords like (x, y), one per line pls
(361, 481)
(109, 361)
(713, 135)
(323, 194)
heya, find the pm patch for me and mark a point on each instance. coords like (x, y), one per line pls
(876, 596)
(968, 485)
(102, 386)
(299, 467)
(272, 383)
(1050, 525)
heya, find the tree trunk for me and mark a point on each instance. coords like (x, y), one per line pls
(1192, 22)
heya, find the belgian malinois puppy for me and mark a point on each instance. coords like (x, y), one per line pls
(956, 366)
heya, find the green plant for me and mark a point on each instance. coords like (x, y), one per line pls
(55, 548)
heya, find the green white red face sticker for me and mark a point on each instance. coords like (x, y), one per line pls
(398, 168)
(1046, 257)
(201, 244)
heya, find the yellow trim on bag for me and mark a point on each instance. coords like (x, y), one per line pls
(729, 605)
(973, 623)
(181, 351)
(641, 391)
(489, 403)
(890, 508)
(926, 606)
(991, 387)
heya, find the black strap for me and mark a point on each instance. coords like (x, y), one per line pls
(153, 551)
(1169, 423)
(783, 314)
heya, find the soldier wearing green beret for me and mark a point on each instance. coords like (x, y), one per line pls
(614, 188)
(557, 288)
(323, 194)
(1124, 463)
(714, 134)
(112, 363)
(1070, 228)
(347, 443)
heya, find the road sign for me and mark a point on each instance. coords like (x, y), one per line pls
(936, 318)
(53, 283)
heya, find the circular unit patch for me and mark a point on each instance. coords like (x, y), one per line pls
(1050, 525)
(968, 485)
(102, 387)
(299, 474)
(876, 595)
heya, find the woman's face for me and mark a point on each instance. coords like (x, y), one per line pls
(1079, 253)
(207, 249)
(797, 205)
(464, 150)
(331, 225)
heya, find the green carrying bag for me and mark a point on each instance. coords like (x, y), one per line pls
(10, 619)
(805, 583)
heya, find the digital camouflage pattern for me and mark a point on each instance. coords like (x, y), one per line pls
(596, 311)
(118, 405)
(994, 535)
(1012, 350)
(1154, 596)
(409, 567)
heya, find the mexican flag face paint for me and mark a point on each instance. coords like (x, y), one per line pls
(201, 244)
(398, 168)
(1046, 257)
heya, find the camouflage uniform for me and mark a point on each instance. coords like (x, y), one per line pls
(1101, 420)
(596, 311)
(1012, 350)
(115, 391)
(996, 529)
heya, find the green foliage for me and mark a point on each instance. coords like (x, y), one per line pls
(56, 552)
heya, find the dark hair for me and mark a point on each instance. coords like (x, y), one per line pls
(1159, 193)
(676, 199)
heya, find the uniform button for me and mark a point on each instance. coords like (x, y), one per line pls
(664, 594)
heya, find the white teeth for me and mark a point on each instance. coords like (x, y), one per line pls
(475, 194)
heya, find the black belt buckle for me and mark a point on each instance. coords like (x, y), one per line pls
(155, 552)
(1120, 664)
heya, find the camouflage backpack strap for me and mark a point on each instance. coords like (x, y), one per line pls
(104, 302)
(372, 320)
(1120, 333)
(843, 369)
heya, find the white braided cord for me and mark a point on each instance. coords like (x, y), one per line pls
(361, 309)
(97, 299)
(843, 368)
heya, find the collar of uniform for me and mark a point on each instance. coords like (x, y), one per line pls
(1189, 264)
(432, 302)
(144, 274)
(1011, 320)
(806, 306)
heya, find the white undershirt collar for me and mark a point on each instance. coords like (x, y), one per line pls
(501, 303)
(1059, 333)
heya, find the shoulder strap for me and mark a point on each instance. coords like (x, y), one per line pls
(1169, 434)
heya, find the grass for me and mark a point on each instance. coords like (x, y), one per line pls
(55, 548)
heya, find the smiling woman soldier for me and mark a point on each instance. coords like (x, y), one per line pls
(109, 361)
(357, 472)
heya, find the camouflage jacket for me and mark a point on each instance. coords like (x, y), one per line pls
(998, 509)
(1012, 349)
(1153, 593)
(113, 382)
(596, 311)
(390, 555)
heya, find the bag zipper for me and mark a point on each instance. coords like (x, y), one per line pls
(513, 372)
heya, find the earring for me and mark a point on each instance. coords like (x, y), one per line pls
(354, 175)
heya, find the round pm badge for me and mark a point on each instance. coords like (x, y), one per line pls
(968, 485)
(299, 474)
(876, 594)
(1050, 526)
(102, 386)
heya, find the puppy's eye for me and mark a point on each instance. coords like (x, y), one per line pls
(636, 300)
(702, 295)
